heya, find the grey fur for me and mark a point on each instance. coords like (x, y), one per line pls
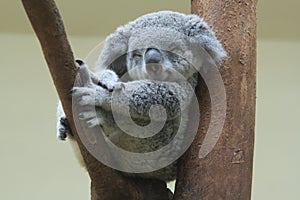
(183, 42)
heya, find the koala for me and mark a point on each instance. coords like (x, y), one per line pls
(146, 73)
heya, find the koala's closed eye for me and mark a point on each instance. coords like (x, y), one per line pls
(136, 54)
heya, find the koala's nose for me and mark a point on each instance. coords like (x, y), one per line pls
(153, 55)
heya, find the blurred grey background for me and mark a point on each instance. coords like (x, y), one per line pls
(34, 165)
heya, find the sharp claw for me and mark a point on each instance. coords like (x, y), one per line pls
(81, 116)
(62, 135)
(79, 62)
(103, 86)
(64, 122)
(62, 130)
(72, 91)
(62, 138)
(90, 124)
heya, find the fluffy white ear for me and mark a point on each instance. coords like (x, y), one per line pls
(113, 55)
(199, 30)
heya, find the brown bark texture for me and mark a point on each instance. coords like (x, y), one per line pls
(226, 172)
(106, 183)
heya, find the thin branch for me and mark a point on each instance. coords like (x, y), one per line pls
(106, 183)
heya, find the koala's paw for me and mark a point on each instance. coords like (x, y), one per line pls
(111, 87)
(108, 79)
(63, 129)
(91, 97)
(84, 96)
(92, 102)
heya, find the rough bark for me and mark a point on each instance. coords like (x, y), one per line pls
(226, 172)
(106, 184)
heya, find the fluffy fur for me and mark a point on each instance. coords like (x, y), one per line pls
(179, 45)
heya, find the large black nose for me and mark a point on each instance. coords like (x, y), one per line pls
(153, 55)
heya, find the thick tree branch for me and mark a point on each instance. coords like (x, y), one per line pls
(226, 173)
(106, 183)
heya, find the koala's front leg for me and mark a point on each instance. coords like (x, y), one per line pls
(95, 96)
(139, 96)
(62, 126)
(93, 93)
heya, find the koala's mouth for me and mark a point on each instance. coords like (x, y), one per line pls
(154, 70)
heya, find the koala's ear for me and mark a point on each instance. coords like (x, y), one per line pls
(199, 30)
(114, 52)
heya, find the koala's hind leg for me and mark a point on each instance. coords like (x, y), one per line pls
(62, 126)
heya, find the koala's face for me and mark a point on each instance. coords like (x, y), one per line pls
(157, 56)
(156, 64)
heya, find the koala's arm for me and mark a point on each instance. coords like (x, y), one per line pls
(142, 94)
(136, 96)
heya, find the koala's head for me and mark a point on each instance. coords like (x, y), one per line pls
(159, 54)
(160, 45)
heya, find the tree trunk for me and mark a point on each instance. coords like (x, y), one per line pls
(226, 172)
(106, 183)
